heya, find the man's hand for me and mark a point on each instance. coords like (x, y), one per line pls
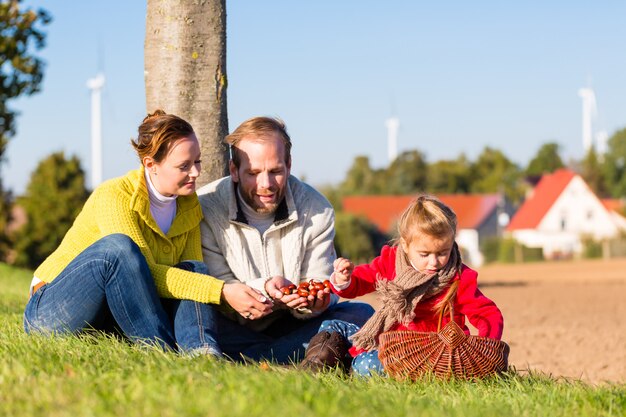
(320, 301)
(274, 288)
(247, 301)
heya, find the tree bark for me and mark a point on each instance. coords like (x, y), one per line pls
(185, 72)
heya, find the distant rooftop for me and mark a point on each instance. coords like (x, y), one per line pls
(383, 210)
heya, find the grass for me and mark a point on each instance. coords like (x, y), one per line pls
(98, 375)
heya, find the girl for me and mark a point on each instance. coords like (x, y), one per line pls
(132, 260)
(416, 279)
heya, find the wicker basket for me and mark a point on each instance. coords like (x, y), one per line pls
(447, 353)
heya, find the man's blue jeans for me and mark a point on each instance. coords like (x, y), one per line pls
(287, 338)
(109, 286)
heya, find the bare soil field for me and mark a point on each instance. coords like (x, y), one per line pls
(564, 318)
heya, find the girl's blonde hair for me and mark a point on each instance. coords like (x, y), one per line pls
(430, 216)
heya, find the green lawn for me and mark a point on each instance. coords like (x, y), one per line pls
(101, 376)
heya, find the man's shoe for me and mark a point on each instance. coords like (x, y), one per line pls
(326, 350)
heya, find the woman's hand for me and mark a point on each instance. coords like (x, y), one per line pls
(247, 301)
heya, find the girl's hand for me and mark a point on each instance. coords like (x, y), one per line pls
(343, 271)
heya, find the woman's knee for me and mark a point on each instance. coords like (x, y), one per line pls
(119, 243)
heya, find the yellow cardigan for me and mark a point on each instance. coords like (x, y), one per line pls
(122, 205)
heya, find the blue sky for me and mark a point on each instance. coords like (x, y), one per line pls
(459, 75)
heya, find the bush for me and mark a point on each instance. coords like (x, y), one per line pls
(507, 250)
(591, 248)
(55, 195)
(356, 238)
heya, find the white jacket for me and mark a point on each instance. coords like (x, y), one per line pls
(298, 245)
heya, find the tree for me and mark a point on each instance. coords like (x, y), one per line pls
(406, 174)
(449, 176)
(360, 178)
(546, 161)
(54, 196)
(493, 172)
(21, 73)
(185, 67)
(591, 171)
(614, 167)
(356, 238)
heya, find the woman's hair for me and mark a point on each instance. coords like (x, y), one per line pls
(258, 127)
(428, 215)
(157, 133)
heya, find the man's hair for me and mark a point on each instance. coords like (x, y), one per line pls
(259, 128)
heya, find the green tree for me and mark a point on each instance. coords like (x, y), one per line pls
(592, 173)
(54, 196)
(21, 73)
(356, 238)
(547, 160)
(493, 172)
(449, 176)
(406, 174)
(360, 178)
(614, 167)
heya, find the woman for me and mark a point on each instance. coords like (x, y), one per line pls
(132, 260)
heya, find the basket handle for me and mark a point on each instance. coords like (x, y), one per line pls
(450, 308)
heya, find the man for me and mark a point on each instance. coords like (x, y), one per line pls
(267, 229)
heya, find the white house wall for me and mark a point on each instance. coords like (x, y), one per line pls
(553, 244)
(468, 240)
(578, 211)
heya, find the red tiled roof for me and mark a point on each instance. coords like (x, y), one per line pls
(543, 197)
(612, 204)
(384, 210)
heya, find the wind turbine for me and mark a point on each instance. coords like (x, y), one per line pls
(589, 113)
(95, 85)
(393, 124)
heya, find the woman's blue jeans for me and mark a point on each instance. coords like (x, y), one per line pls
(109, 286)
(364, 364)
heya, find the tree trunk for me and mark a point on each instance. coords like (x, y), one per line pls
(185, 72)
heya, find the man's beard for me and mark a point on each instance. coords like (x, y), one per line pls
(248, 198)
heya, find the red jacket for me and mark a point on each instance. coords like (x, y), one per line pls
(481, 312)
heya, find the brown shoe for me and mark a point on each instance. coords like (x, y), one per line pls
(326, 350)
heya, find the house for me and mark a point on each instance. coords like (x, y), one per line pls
(559, 213)
(477, 216)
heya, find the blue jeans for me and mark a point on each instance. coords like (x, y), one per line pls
(363, 364)
(108, 287)
(287, 338)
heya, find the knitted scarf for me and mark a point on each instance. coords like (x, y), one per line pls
(400, 296)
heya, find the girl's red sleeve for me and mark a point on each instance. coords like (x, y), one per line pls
(364, 277)
(481, 312)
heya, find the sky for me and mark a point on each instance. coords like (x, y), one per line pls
(459, 75)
